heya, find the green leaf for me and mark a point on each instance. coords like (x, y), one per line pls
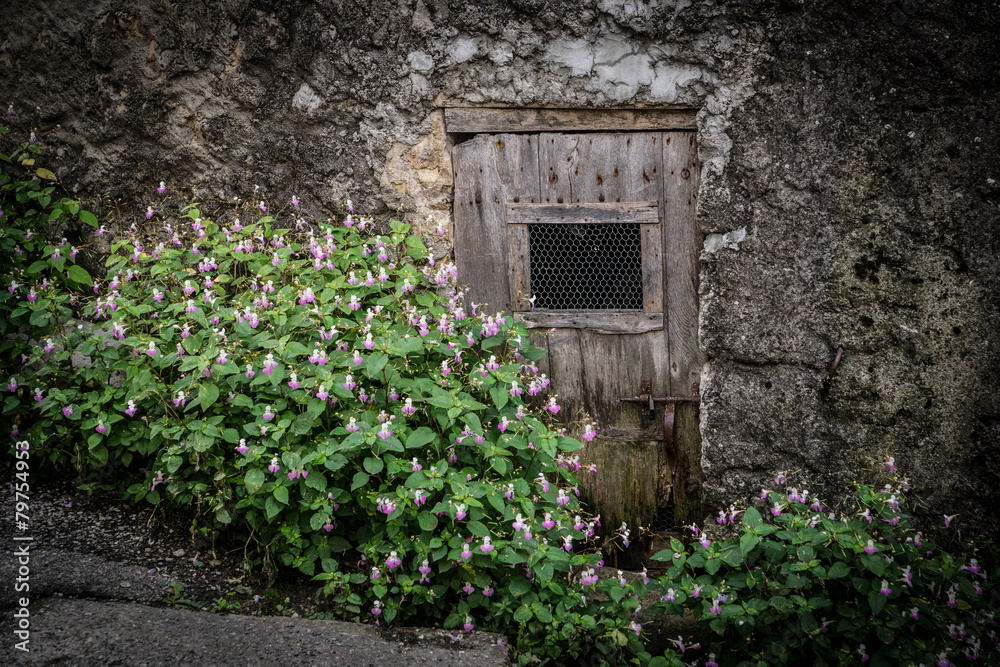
(88, 218)
(42, 172)
(420, 437)
(281, 494)
(208, 394)
(838, 570)
(747, 543)
(500, 397)
(374, 465)
(477, 528)
(427, 521)
(712, 565)
(876, 601)
(374, 364)
(523, 614)
(271, 508)
(360, 479)
(254, 480)
(79, 274)
(751, 520)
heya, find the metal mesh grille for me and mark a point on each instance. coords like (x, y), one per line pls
(586, 266)
(665, 518)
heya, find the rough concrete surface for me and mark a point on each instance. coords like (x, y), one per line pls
(848, 192)
(87, 632)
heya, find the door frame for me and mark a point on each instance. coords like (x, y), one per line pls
(463, 122)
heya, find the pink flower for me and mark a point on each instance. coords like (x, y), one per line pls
(468, 588)
(149, 212)
(548, 523)
(870, 548)
(705, 542)
(12, 385)
(486, 547)
(776, 510)
(589, 433)
(424, 571)
(101, 428)
(268, 415)
(393, 561)
(468, 625)
(460, 512)
(295, 200)
(274, 467)
(293, 382)
(885, 590)
(890, 465)
(349, 383)
(352, 425)
(415, 465)
(947, 520)
(242, 448)
(39, 395)
(322, 393)
(408, 408)
(419, 498)
(377, 608)
(553, 407)
(162, 188)
(68, 411)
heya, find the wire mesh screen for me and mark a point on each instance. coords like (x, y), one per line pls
(586, 266)
(665, 517)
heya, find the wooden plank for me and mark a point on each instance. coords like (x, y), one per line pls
(520, 278)
(591, 371)
(682, 240)
(652, 268)
(604, 322)
(643, 212)
(489, 171)
(491, 120)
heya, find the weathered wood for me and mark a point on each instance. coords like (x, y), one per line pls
(643, 212)
(652, 268)
(491, 120)
(520, 269)
(489, 171)
(682, 240)
(604, 321)
(622, 489)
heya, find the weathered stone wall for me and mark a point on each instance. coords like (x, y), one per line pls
(848, 193)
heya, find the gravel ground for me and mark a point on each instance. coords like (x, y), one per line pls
(116, 584)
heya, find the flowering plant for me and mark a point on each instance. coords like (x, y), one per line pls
(325, 393)
(801, 584)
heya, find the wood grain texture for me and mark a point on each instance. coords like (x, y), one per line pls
(683, 242)
(652, 268)
(520, 269)
(489, 171)
(605, 321)
(642, 212)
(477, 120)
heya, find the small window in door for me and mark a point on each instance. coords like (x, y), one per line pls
(587, 266)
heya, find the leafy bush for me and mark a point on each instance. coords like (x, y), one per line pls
(45, 272)
(325, 393)
(800, 585)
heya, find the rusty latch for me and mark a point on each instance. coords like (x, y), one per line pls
(648, 402)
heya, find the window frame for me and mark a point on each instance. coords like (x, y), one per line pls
(644, 213)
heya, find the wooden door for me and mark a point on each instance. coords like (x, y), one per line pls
(571, 197)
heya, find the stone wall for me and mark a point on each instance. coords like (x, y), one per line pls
(848, 189)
